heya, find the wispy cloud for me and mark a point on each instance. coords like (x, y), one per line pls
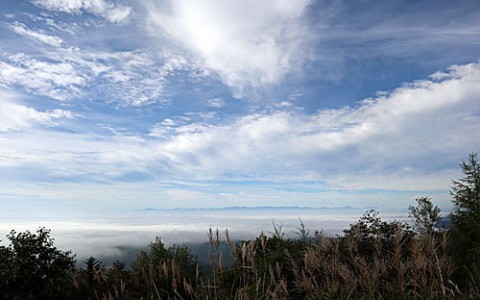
(394, 135)
(249, 44)
(363, 30)
(112, 12)
(253, 45)
(128, 78)
(132, 78)
(216, 102)
(14, 116)
(40, 36)
(391, 133)
(58, 80)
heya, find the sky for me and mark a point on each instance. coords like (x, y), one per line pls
(112, 108)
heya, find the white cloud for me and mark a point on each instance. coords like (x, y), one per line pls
(88, 236)
(350, 32)
(59, 26)
(14, 116)
(110, 11)
(249, 44)
(216, 102)
(409, 129)
(59, 80)
(420, 130)
(40, 36)
(129, 78)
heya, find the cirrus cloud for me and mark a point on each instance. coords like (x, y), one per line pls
(249, 44)
(40, 36)
(110, 11)
(15, 116)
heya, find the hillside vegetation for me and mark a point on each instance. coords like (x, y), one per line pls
(374, 259)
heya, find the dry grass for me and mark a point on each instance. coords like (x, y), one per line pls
(418, 269)
(327, 268)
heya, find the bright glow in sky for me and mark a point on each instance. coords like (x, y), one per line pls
(109, 107)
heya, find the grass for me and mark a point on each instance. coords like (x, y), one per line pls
(400, 266)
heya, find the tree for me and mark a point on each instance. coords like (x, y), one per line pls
(31, 267)
(88, 281)
(372, 237)
(466, 193)
(425, 216)
(465, 216)
(165, 272)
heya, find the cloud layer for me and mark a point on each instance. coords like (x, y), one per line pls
(168, 103)
(398, 134)
(110, 11)
(396, 131)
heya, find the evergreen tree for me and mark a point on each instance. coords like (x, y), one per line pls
(88, 280)
(425, 216)
(466, 193)
(466, 216)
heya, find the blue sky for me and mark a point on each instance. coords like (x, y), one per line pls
(115, 106)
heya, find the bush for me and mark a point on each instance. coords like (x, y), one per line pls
(31, 267)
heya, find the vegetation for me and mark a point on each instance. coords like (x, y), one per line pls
(374, 259)
(465, 246)
(32, 268)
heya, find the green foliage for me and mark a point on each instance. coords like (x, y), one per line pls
(466, 193)
(303, 233)
(425, 216)
(466, 218)
(31, 267)
(263, 266)
(95, 281)
(88, 281)
(165, 272)
(372, 236)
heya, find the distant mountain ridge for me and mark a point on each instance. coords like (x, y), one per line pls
(257, 208)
